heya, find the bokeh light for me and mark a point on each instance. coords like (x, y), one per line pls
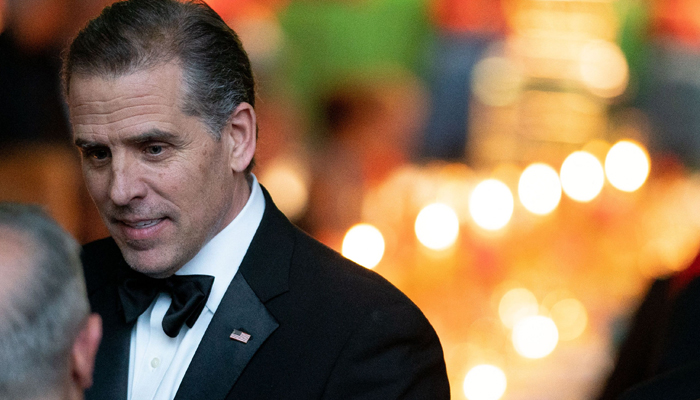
(627, 165)
(364, 244)
(497, 81)
(437, 226)
(515, 305)
(582, 176)
(491, 204)
(539, 189)
(604, 68)
(287, 180)
(535, 337)
(485, 382)
(571, 318)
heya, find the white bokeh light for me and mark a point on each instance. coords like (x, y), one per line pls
(484, 382)
(603, 68)
(437, 226)
(582, 176)
(491, 204)
(535, 337)
(539, 189)
(515, 305)
(571, 318)
(364, 244)
(627, 165)
(287, 180)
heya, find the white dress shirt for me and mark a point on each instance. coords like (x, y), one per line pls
(157, 362)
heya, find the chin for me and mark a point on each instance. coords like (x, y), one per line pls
(155, 267)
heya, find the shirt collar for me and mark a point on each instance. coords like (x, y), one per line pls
(223, 254)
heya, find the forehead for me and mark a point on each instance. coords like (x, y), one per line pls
(100, 104)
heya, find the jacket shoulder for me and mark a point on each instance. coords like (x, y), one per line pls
(384, 334)
(100, 259)
(326, 268)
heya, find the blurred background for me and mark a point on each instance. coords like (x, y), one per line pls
(521, 169)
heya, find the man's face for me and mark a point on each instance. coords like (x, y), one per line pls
(163, 185)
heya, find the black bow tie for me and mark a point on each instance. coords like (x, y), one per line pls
(189, 294)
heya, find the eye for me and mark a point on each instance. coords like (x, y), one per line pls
(154, 149)
(98, 154)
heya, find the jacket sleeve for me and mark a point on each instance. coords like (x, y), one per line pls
(394, 354)
(641, 350)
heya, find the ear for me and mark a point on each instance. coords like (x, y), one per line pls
(84, 351)
(241, 133)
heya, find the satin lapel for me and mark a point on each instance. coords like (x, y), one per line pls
(112, 361)
(220, 360)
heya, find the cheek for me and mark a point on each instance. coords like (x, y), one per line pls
(96, 183)
(179, 186)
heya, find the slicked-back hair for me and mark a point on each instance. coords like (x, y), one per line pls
(136, 35)
(44, 310)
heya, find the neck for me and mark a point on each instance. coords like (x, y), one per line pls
(239, 197)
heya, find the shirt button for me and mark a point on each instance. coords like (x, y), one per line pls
(155, 362)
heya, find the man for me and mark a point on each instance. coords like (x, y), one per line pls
(206, 290)
(48, 339)
(660, 356)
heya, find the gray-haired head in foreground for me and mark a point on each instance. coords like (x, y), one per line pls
(43, 309)
(137, 35)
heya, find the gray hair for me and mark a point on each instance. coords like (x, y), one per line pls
(138, 35)
(42, 314)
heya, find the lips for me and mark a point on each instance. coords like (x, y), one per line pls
(142, 224)
(140, 229)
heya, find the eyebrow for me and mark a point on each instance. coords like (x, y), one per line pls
(153, 135)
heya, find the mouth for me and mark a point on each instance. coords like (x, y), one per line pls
(142, 224)
(138, 230)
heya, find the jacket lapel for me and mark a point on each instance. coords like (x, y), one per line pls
(263, 274)
(219, 360)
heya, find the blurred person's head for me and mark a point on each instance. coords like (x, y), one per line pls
(161, 98)
(48, 338)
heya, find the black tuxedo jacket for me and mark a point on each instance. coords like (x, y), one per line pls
(682, 383)
(660, 357)
(321, 327)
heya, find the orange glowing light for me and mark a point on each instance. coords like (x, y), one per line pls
(582, 176)
(627, 165)
(364, 244)
(491, 204)
(535, 337)
(571, 318)
(287, 181)
(604, 68)
(485, 382)
(539, 189)
(515, 305)
(437, 226)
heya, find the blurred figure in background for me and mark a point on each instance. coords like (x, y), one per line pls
(48, 339)
(371, 127)
(466, 29)
(663, 340)
(660, 356)
(31, 107)
(37, 161)
(674, 79)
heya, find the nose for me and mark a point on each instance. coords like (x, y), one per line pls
(127, 183)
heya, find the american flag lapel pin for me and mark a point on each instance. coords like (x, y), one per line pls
(240, 336)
